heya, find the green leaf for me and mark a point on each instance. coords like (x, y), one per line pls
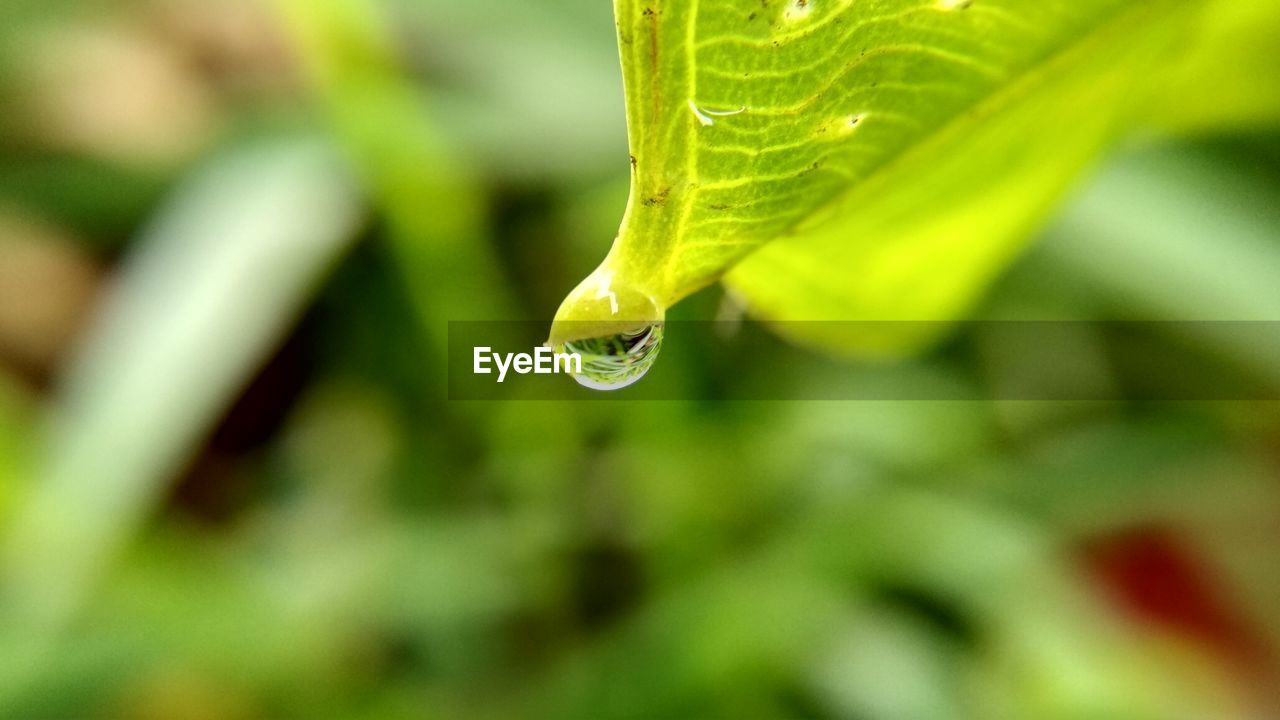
(215, 281)
(1227, 74)
(856, 160)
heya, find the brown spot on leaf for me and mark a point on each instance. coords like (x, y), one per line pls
(657, 200)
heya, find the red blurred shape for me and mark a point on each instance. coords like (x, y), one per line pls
(1154, 575)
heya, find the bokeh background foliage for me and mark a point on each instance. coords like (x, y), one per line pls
(232, 236)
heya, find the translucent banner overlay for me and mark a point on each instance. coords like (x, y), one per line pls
(971, 361)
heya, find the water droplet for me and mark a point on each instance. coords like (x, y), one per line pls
(616, 361)
(614, 326)
(708, 117)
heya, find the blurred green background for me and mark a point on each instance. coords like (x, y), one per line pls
(232, 236)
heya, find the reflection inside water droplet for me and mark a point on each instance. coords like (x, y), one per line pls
(616, 361)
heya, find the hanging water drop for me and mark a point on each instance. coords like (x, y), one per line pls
(615, 327)
(616, 361)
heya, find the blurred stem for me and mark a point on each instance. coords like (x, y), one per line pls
(211, 287)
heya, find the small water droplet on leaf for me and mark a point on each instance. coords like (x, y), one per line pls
(616, 361)
(613, 325)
